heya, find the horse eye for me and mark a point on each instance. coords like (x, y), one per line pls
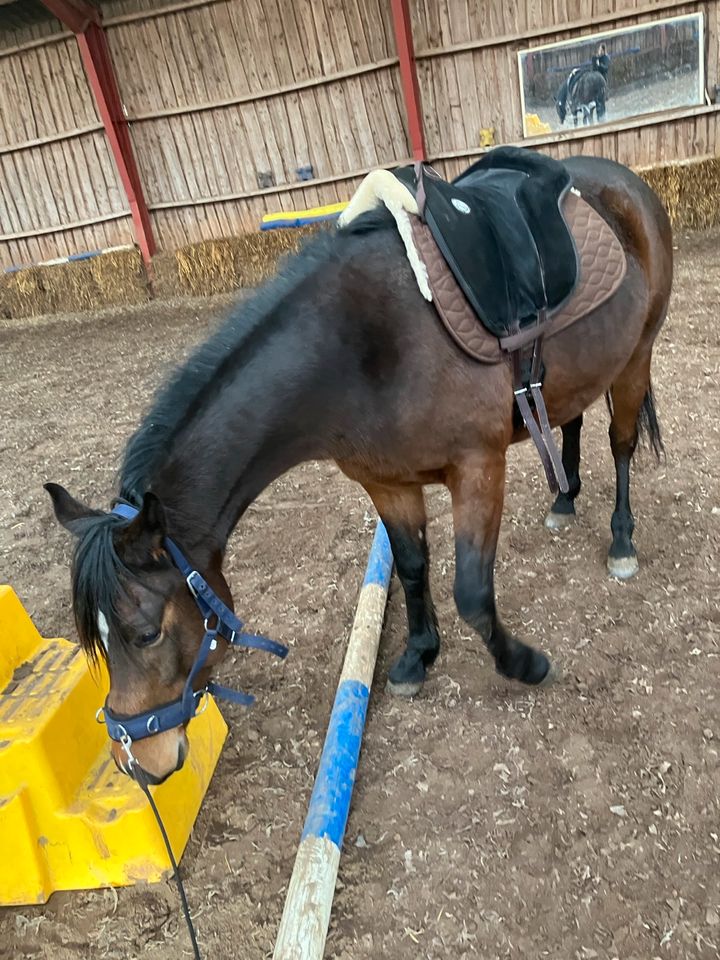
(148, 639)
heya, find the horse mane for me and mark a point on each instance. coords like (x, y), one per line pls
(202, 374)
(99, 576)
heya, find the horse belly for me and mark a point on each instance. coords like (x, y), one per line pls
(583, 361)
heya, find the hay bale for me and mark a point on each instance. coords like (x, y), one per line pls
(227, 264)
(120, 278)
(26, 294)
(207, 267)
(688, 191)
(166, 278)
(107, 280)
(71, 286)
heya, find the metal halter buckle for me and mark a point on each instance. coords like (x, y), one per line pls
(126, 744)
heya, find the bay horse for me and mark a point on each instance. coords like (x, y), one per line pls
(340, 357)
(583, 94)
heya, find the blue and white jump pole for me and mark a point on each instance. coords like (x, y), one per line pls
(306, 917)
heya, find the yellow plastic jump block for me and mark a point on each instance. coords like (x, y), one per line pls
(68, 819)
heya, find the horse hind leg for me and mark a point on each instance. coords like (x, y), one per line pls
(562, 512)
(632, 407)
(402, 510)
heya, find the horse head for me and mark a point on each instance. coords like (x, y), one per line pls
(134, 611)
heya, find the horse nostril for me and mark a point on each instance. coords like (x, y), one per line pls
(152, 779)
(182, 753)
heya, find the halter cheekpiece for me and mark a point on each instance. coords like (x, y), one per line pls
(125, 730)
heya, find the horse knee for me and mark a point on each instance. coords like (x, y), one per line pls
(409, 553)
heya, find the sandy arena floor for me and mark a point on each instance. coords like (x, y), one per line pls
(488, 821)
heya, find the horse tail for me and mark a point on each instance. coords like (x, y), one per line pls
(649, 425)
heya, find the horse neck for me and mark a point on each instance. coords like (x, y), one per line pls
(276, 407)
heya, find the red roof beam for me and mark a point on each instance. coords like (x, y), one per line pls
(75, 14)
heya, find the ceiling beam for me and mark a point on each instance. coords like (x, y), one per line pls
(77, 15)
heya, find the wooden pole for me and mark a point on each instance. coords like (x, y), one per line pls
(85, 22)
(306, 916)
(408, 74)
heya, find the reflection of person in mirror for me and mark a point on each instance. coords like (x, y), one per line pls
(601, 61)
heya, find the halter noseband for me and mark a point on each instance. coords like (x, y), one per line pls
(125, 730)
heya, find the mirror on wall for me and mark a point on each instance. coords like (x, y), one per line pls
(612, 75)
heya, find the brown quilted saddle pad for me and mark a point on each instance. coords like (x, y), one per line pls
(602, 270)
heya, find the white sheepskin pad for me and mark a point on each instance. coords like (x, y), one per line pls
(382, 187)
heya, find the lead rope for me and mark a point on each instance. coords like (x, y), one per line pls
(138, 774)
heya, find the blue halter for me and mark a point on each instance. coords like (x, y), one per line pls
(125, 730)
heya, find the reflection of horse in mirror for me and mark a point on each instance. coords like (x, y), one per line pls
(584, 94)
(341, 358)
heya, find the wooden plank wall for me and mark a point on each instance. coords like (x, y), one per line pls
(469, 79)
(59, 189)
(216, 92)
(220, 91)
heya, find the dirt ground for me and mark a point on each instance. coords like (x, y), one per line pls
(488, 820)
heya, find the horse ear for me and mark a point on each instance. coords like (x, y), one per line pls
(69, 512)
(144, 538)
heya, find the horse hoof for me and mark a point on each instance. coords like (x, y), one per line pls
(559, 521)
(406, 690)
(622, 568)
(552, 676)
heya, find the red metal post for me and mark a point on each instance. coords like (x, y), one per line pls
(408, 75)
(85, 22)
(98, 66)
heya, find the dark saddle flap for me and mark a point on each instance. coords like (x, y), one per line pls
(501, 230)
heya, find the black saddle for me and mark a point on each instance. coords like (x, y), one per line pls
(500, 228)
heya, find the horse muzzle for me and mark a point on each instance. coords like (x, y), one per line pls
(153, 760)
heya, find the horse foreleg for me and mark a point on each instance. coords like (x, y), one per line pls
(562, 512)
(402, 510)
(477, 489)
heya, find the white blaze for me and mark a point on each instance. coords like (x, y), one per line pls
(103, 629)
